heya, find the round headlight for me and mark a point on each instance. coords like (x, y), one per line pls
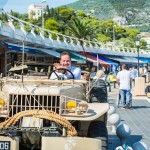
(1, 102)
(83, 106)
(71, 105)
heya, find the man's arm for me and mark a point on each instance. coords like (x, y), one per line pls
(77, 73)
(118, 79)
(130, 82)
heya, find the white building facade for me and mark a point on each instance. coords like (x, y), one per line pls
(120, 20)
(34, 11)
(146, 37)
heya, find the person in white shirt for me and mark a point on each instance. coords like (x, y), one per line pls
(145, 72)
(113, 69)
(134, 74)
(125, 81)
(65, 63)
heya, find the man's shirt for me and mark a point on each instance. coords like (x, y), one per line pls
(76, 71)
(124, 77)
(134, 73)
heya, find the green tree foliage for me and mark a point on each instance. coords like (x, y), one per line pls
(52, 13)
(127, 42)
(27, 28)
(3, 17)
(120, 32)
(132, 33)
(102, 38)
(110, 29)
(66, 13)
(47, 11)
(17, 15)
(106, 28)
(52, 25)
(36, 22)
(92, 22)
(81, 14)
(80, 29)
(143, 44)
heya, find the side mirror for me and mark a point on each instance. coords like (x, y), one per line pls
(147, 91)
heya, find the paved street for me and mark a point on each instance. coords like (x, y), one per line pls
(137, 118)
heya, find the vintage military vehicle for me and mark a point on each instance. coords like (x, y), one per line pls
(39, 113)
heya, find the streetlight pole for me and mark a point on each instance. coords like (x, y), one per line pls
(23, 53)
(138, 47)
(43, 1)
(114, 38)
(97, 62)
(81, 41)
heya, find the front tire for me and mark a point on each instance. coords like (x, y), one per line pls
(98, 130)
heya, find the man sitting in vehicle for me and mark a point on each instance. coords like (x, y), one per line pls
(64, 70)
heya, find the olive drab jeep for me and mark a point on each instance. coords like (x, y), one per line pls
(39, 113)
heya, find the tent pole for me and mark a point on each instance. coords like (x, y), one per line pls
(97, 62)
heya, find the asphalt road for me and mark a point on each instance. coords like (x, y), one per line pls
(137, 118)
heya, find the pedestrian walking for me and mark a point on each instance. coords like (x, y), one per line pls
(134, 74)
(145, 73)
(124, 81)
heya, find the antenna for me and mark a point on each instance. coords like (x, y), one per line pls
(81, 43)
(22, 59)
(23, 51)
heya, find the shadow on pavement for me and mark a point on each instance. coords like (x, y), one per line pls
(114, 141)
(138, 107)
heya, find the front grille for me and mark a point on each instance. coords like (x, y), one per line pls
(18, 103)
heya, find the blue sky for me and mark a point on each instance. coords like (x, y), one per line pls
(21, 6)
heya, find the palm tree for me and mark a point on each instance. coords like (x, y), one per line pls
(81, 29)
(32, 14)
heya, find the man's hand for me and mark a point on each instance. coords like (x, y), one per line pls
(86, 76)
(57, 66)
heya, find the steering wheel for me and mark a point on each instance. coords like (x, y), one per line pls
(65, 70)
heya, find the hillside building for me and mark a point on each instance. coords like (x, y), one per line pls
(120, 20)
(146, 37)
(35, 11)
